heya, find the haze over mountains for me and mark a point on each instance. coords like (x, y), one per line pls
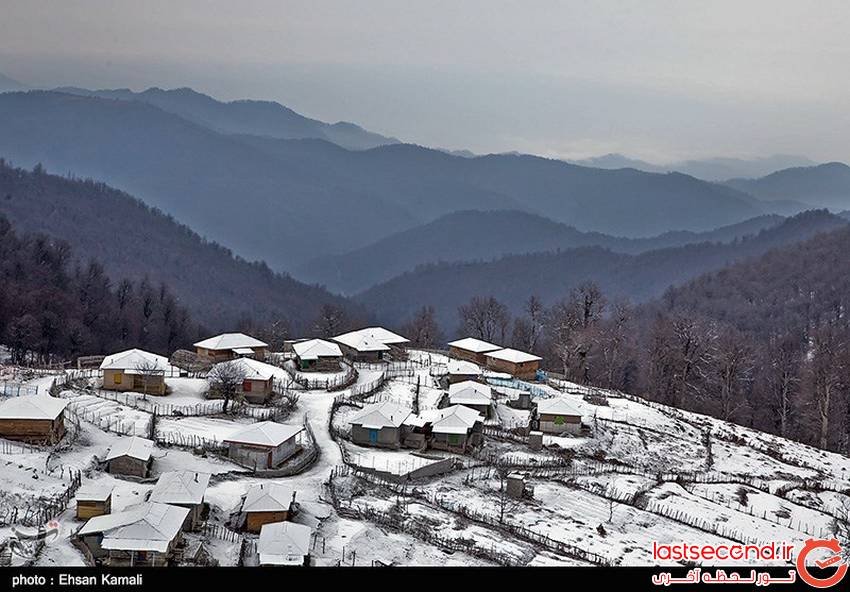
(825, 185)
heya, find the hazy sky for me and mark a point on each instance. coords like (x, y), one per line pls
(655, 79)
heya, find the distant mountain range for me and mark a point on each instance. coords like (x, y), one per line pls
(484, 236)
(290, 201)
(551, 276)
(261, 118)
(709, 169)
(135, 241)
(9, 84)
(825, 185)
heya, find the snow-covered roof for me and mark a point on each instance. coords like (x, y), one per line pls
(556, 406)
(253, 369)
(265, 433)
(456, 419)
(470, 392)
(384, 335)
(132, 359)
(381, 415)
(32, 407)
(268, 497)
(361, 342)
(148, 526)
(313, 349)
(93, 492)
(474, 345)
(134, 447)
(180, 487)
(283, 543)
(513, 355)
(463, 368)
(230, 341)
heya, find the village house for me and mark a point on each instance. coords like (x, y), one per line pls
(557, 416)
(146, 534)
(264, 445)
(185, 489)
(135, 370)
(370, 344)
(379, 424)
(512, 361)
(132, 457)
(229, 346)
(37, 419)
(284, 543)
(472, 350)
(455, 429)
(258, 379)
(473, 395)
(317, 355)
(461, 370)
(93, 499)
(266, 503)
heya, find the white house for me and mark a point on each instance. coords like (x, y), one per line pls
(264, 444)
(130, 456)
(284, 543)
(557, 416)
(371, 343)
(379, 424)
(454, 428)
(471, 394)
(185, 489)
(460, 370)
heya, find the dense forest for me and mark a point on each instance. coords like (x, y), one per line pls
(764, 342)
(55, 308)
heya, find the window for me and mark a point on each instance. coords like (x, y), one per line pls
(117, 378)
(559, 420)
(454, 439)
(246, 386)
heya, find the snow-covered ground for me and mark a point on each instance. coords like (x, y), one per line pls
(645, 473)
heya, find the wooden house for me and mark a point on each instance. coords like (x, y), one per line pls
(258, 379)
(93, 500)
(229, 346)
(512, 361)
(135, 370)
(317, 355)
(558, 416)
(266, 503)
(146, 534)
(131, 457)
(37, 419)
(185, 489)
(284, 543)
(264, 445)
(473, 395)
(455, 429)
(461, 370)
(380, 424)
(372, 344)
(472, 350)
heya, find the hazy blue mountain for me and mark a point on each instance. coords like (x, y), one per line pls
(485, 235)
(552, 275)
(287, 201)
(262, 118)
(710, 169)
(9, 84)
(825, 185)
(135, 241)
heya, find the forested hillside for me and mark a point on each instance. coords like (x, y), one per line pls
(135, 241)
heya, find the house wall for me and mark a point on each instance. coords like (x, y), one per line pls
(118, 380)
(353, 354)
(386, 437)
(260, 391)
(454, 378)
(323, 364)
(255, 520)
(260, 455)
(449, 442)
(525, 370)
(222, 355)
(558, 424)
(90, 509)
(125, 465)
(465, 354)
(35, 431)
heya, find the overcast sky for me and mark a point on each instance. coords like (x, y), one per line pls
(659, 80)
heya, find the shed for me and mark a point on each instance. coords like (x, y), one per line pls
(284, 543)
(258, 382)
(135, 370)
(379, 424)
(317, 355)
(558, 416)
(228, 346)
(472, 349)
(266, 503)
(461, 370)
(131, 456)
(512, 361)
(93, 499)
(264, 445)
(359, 347)
(456, 428)
(38, 419)
(473, 395)
(185, 489)
(146, 534)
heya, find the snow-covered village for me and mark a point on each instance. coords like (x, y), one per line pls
(363, 451)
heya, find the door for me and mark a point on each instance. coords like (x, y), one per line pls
(373, 436)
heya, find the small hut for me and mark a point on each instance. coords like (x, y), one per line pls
(131, 456)
(135, 370)
(264, 445)
(473, 395)
(472, 350)
(266, 503)
(379, 424)
(557, 416)
(93, 499)
(185, 489)
(317, 355)
(512, 361)
(284, 543)
(37, 419)
(229, 346)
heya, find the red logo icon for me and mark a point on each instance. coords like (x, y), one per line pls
(834, 560)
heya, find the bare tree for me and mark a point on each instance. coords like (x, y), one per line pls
(484, 318)
(150, 372)
(423, 331)
(782, 372)
(226, 381)
(331, 321)
(826, 375)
